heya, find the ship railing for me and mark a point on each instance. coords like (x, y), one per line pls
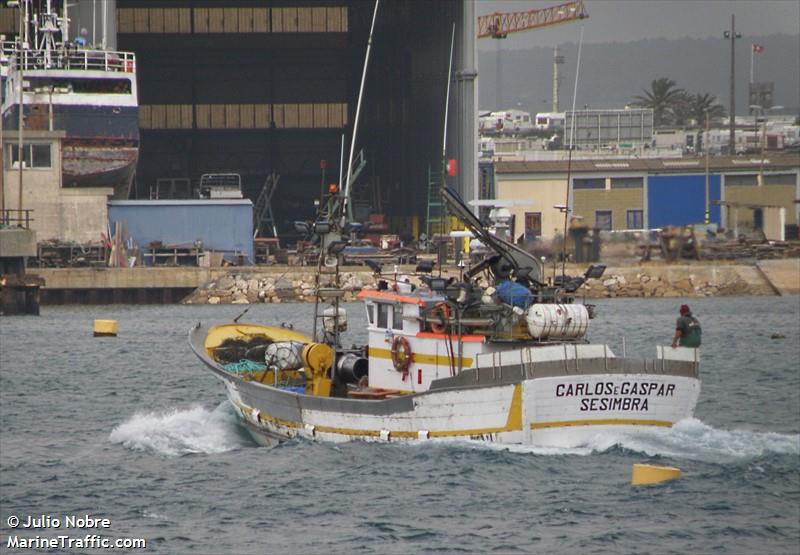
(73, 59)
(11, 217)
(219, 185)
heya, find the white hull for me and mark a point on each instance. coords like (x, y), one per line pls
(542, 412)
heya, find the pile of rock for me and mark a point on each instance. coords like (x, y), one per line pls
(290, 287)
(656, 281)
(643, 284)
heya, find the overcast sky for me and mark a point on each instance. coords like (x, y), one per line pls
(630, 20)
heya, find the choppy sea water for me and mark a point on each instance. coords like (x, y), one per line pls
(134, 430)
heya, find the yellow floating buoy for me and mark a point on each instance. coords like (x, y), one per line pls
(105, 328)
(644, 474)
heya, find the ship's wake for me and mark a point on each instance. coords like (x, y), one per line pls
(182, 431)
(688, 439)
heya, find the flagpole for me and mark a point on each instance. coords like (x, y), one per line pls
(752, 51)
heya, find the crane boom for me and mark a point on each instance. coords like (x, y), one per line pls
(499, 25)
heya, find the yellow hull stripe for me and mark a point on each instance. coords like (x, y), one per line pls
(267, 418)
(513, 423)
(601, 422)
(421, 358)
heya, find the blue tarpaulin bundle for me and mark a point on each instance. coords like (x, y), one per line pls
(514, 294)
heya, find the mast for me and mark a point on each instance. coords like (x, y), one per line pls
(447, 98)
(569, 161)
(23, 44)
(347, 210)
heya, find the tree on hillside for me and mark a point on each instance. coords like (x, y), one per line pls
(680, 112)
(702, 104)
(663, 97)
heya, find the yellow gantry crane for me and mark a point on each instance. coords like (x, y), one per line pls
(499, 25)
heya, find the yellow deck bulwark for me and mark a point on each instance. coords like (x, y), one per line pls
(218, 334)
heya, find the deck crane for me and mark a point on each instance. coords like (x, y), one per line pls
(499, 25)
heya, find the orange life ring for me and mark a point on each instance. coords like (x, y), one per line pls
(401, 354)
(441, 312)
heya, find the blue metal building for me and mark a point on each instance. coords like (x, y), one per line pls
(680, 199)
(222, 225)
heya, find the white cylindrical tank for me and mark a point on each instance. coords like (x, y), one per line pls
(329, 319)
(557, 321)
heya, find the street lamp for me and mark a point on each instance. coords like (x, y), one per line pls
(763, 111)
(732, 35)
(706, 219)
(22, 44)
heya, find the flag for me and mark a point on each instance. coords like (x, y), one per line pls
(452, 168)
(758, 48)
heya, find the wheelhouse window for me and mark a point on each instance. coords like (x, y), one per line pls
(370, 313)
(383, 315)
(81, 85)
(397, 317)
(34, 155)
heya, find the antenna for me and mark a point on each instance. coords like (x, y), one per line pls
(341, 166)
(447, 97)
(569, 159)
(445, 225)
(346, 209)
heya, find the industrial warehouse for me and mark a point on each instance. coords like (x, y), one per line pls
(244, 115)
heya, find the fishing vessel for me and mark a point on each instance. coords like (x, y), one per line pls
(494, 353)
(497, 354)
(87, 92)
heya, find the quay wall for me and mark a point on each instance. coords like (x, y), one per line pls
(264, 284)
(655, 281)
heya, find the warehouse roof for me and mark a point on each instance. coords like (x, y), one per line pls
(771, 161)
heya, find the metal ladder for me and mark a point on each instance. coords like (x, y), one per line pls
(436, 217)
(262, 210)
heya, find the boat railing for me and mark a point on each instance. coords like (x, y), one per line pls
(11, 217)
(572, 355)
(73, 59)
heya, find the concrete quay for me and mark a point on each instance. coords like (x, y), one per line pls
(784, 274)
(139, 285)
(260, 284)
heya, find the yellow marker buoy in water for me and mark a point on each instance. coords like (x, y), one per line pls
(105, 328)
(644, 474)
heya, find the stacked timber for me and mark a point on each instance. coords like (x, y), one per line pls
(743, 249)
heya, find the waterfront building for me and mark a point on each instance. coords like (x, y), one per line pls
(616, 194)
(56, 211)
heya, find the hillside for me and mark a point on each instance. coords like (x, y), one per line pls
(612, 74)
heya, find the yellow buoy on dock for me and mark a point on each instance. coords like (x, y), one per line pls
(105, 328)
(644, 474)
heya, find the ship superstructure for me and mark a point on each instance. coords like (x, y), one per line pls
(87, 92)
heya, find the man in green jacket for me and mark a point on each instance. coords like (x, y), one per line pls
(687, 329)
